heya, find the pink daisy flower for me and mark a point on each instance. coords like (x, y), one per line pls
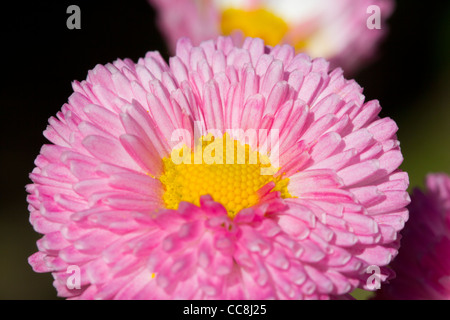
(333, 29)
(303, 220)
(423, 265)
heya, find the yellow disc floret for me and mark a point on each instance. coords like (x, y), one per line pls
(231, 173)
(258, 23)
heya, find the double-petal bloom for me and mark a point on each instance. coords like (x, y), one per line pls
(304, 220)
(423, 264)
(345, 32)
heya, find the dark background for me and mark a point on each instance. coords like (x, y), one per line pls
(41, 57)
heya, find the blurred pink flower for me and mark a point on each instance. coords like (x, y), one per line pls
(332, 29)
(423, 264)
(109, 198)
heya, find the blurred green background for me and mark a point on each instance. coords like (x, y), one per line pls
(411, 79)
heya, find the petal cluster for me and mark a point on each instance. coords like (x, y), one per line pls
(345, 32)
(423, 264)
(98, 201)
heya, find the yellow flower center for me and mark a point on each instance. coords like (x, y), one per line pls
(231, 173)
(258, 23)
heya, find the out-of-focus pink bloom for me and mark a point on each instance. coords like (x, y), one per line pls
(108, 195)
(336, 30)
(423, 264)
